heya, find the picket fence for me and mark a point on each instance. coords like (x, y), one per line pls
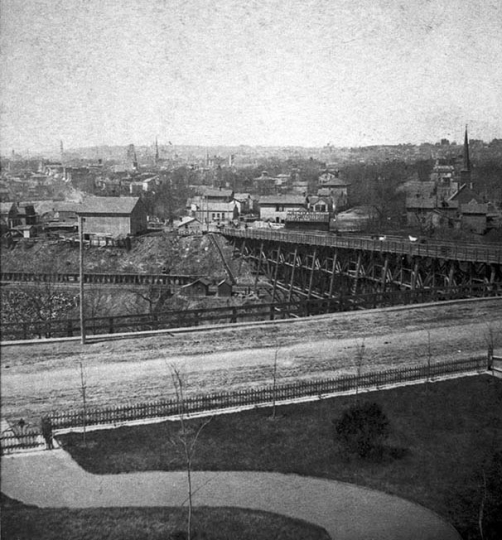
(261, 396)
(28, 439)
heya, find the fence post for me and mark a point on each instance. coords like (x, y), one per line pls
(490, 357)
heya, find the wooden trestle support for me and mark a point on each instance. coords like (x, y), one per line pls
(314, 266)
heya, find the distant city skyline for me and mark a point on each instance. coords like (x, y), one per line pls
(252, 72)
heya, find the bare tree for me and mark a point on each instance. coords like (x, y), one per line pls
(274, 384)
(429, 358)
(187, 435)
(41, 300)
(83, 393)
(95, 303)
(490, 343)
(360, 351)
(151, 294)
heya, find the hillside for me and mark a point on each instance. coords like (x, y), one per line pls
(149, 254)
(193, 255)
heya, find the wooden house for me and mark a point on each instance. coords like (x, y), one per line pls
(113, 216)
(189, 225)
(276, 207)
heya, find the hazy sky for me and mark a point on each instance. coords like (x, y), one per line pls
(261, 72)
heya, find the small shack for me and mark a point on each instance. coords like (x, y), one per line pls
(199, 287)
(189, 225)
(224, 288)
(28, 231)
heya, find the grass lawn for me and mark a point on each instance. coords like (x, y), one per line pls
(20, 522)
(444, 438)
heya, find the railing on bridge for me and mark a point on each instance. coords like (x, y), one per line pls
(432, 249)
(234, 314)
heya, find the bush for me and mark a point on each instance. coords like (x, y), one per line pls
(362, 428)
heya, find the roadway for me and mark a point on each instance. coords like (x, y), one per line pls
(46, 376)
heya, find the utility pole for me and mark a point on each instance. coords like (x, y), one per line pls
(81, 277)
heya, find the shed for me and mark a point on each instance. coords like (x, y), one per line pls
(224, 288)
(28, 231)
(199, 287)
(189, 225)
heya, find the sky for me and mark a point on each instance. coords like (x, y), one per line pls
(253, 72)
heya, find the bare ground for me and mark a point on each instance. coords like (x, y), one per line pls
(44, 377)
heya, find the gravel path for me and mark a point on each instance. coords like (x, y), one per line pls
(43, 377)
(346, 511)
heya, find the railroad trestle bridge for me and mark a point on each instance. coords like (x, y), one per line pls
(303, 265)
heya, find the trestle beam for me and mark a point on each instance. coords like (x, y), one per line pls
(314, 271)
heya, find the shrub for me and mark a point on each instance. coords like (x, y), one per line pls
(362, 428)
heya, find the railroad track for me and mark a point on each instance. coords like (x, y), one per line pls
(97, 278)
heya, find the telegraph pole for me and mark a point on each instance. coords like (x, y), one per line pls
(81, 277)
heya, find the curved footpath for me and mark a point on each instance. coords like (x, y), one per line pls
(347, 512)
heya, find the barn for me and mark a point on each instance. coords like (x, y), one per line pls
(113, 216)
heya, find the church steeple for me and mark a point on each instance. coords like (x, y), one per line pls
(466, 165)
(465, 173)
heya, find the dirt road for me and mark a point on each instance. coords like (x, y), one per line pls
(43, 377)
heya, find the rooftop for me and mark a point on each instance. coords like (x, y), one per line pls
(283, 199)
(107, 205)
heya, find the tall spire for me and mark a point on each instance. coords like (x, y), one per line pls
(465, 173)
(466, 165)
